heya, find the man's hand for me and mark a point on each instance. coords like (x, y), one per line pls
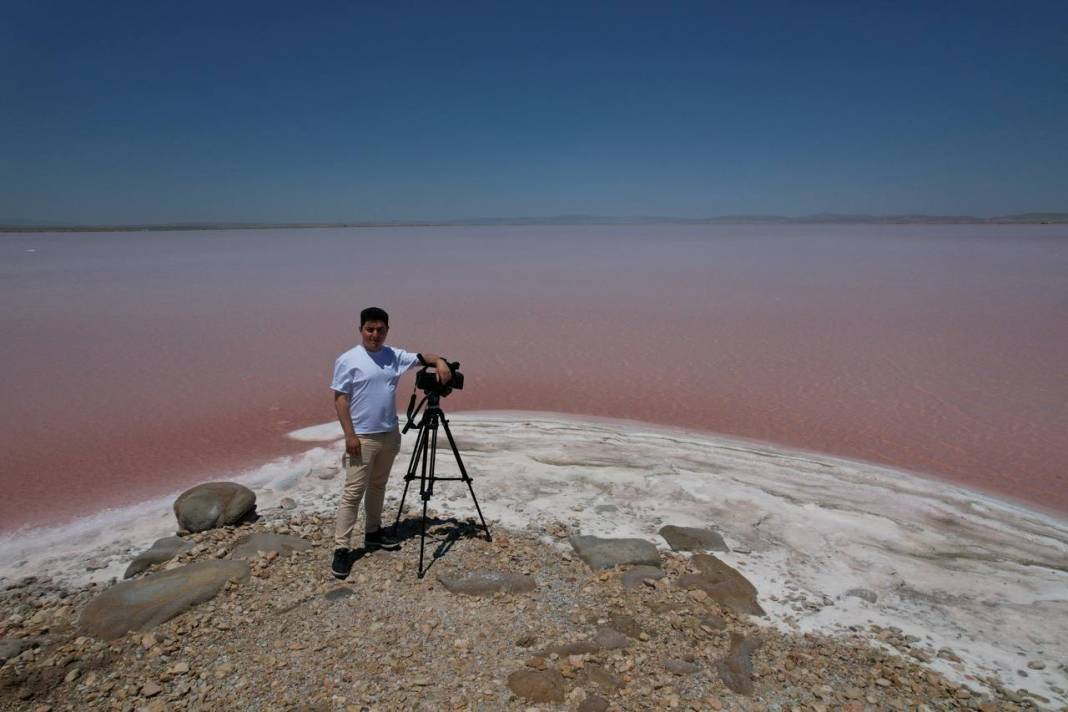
(352, 445)
(444, 373)
(341, 405)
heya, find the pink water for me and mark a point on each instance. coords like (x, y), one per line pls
(137, 363)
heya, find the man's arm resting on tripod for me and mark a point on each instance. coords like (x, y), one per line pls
(341, 405)
(439, 364)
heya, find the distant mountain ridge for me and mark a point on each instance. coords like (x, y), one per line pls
(817, 219)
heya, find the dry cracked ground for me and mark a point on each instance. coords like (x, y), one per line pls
(284, 634)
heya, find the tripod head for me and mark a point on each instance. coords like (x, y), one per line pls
(431, 400)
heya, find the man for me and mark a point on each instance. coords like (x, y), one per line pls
(365, 387)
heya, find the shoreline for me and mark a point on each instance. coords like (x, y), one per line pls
(310, 435)
(955, 568)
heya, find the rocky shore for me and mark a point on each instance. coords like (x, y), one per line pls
(546, 618)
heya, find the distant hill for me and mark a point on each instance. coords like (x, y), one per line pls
(817, 219)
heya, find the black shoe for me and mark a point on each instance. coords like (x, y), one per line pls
(342, 566)
(380, 540)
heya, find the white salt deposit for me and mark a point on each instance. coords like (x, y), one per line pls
(955, 568)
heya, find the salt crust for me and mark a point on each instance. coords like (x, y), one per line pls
(956, 568)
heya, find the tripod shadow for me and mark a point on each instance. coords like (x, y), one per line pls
(410, 527)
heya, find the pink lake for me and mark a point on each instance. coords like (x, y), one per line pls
(137, 363)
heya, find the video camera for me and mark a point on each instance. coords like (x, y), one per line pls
(427, 380)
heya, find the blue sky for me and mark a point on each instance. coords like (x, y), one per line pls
(153, 112)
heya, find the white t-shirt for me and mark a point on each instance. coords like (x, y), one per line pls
(370, 380)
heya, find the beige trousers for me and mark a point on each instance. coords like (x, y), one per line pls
(365, 476)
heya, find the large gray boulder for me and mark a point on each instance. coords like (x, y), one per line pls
(484, 582)
(724, 584)
(161, 550)
(214, 504)
(146, 602)
(264, 542)
(692, 539)
(601, 553)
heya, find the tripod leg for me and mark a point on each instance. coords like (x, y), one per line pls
(425, 488)
(466, 477)
(409, 476)
(433, 455)
(422, 540)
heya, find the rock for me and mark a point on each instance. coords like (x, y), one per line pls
(692, 539)
(680, 667)
(95, 565)
(723, 584)
(483, 582)
(13, 647)
(605, 680)
(601, 553)
(537, 685)
(264, 542)
(150, 689)
(625, 625)
(214, 504)
(947, 654)
(713, 622)
(581, 647)
(593, 703)
(338, 594)
(610, 639)
(327, 473)
(287, 503)
(634, 577)
(862, 593)
(736, 670)
(161, 550)
(605, 639)
(1036, 665)
(143, 603)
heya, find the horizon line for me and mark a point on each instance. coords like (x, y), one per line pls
(563, 219)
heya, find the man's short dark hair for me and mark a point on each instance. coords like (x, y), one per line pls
(373, 314)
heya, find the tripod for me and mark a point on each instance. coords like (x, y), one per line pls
(423, 461)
